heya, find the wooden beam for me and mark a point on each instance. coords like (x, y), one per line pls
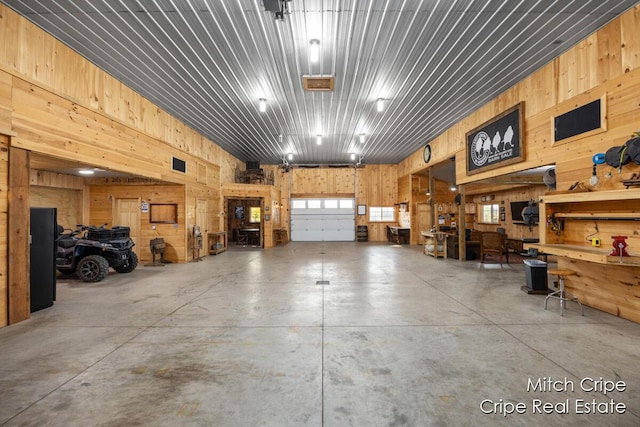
(18, 236)
(462, 225)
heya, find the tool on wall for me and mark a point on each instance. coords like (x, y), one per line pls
(619, 247)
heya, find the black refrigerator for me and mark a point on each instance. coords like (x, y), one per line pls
(43, 257)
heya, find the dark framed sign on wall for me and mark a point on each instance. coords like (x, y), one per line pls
(496, 143)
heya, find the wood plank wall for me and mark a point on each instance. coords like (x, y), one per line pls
(4, 238)
(39, 59)
(18, 220)
(101, 211)
(605, 64)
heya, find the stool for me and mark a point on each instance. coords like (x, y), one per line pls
(561, 294)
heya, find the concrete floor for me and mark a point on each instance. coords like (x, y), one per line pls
(248, 338)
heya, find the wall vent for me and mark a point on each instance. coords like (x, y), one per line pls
(318, 83)
(178, 165)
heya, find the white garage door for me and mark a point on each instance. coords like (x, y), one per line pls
(320, 220)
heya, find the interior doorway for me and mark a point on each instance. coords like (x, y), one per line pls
(126, 213)
(245, 221)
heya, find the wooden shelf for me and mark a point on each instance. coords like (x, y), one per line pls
(632, 216)
(591, 196)
(584, 253)
(217, 242)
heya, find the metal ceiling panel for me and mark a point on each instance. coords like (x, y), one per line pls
(208, 62)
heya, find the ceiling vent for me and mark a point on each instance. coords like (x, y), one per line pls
(318, 83)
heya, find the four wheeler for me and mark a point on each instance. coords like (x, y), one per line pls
(90, 251)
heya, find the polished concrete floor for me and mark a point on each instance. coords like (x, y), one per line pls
(254, 338)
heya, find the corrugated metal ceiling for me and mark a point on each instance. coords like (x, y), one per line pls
(208, 62)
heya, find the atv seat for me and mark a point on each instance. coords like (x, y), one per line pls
(66, 242)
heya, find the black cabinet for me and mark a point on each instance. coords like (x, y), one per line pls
(43, 257)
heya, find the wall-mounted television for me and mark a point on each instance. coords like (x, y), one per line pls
(516, 211)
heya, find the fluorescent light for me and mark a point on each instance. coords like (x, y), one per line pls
(85, 172)
(262, 105)
(362, 138)
(353, 156)
(319, 139)
(290, 156)
(380, 104)
(314, 50)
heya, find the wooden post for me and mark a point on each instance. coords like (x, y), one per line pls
(462, 225)
(18, 236)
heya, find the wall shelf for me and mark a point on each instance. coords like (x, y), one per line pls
(584, 253)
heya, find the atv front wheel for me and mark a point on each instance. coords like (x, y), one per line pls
(130, 265)
(93, 268)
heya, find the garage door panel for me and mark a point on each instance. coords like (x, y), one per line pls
(322, 224)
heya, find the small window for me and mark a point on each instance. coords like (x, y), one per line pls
(254, 214)
(490, 214)
(382, 214)
(346, 204)
(299, 204)
(314, 204)
(331, 204)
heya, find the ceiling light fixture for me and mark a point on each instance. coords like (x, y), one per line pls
(453, 187)
(362, 138)
(380, 104)
(314, 50)
(262, 105)
(85, 172)
(353, 156)
(319, 139)
(290, 156)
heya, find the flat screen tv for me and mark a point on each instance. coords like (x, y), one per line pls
(516, 211)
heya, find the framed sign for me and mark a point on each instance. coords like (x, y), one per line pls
(496, 143)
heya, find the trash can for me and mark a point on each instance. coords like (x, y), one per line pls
(535, 272)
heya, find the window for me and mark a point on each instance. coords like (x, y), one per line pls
(331, 204)
(314, 204)
(382, 214)
(299, 204)
(254, 214)
(346, 204)
(490, 214)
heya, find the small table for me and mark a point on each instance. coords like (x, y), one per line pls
(217, 242)
(435, 243)
(253, 235)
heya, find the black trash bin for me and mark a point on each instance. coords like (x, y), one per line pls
(535, 272)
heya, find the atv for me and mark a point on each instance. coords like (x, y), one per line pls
(89, 251)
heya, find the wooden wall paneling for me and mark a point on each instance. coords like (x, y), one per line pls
(4, 218)
(609, 60)
(68, 202)
(605, 62)
(57, 180)
(5, 100)
(18, 236)
(39, 59)
(614, 289)
(630, 39)
(175, 235)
